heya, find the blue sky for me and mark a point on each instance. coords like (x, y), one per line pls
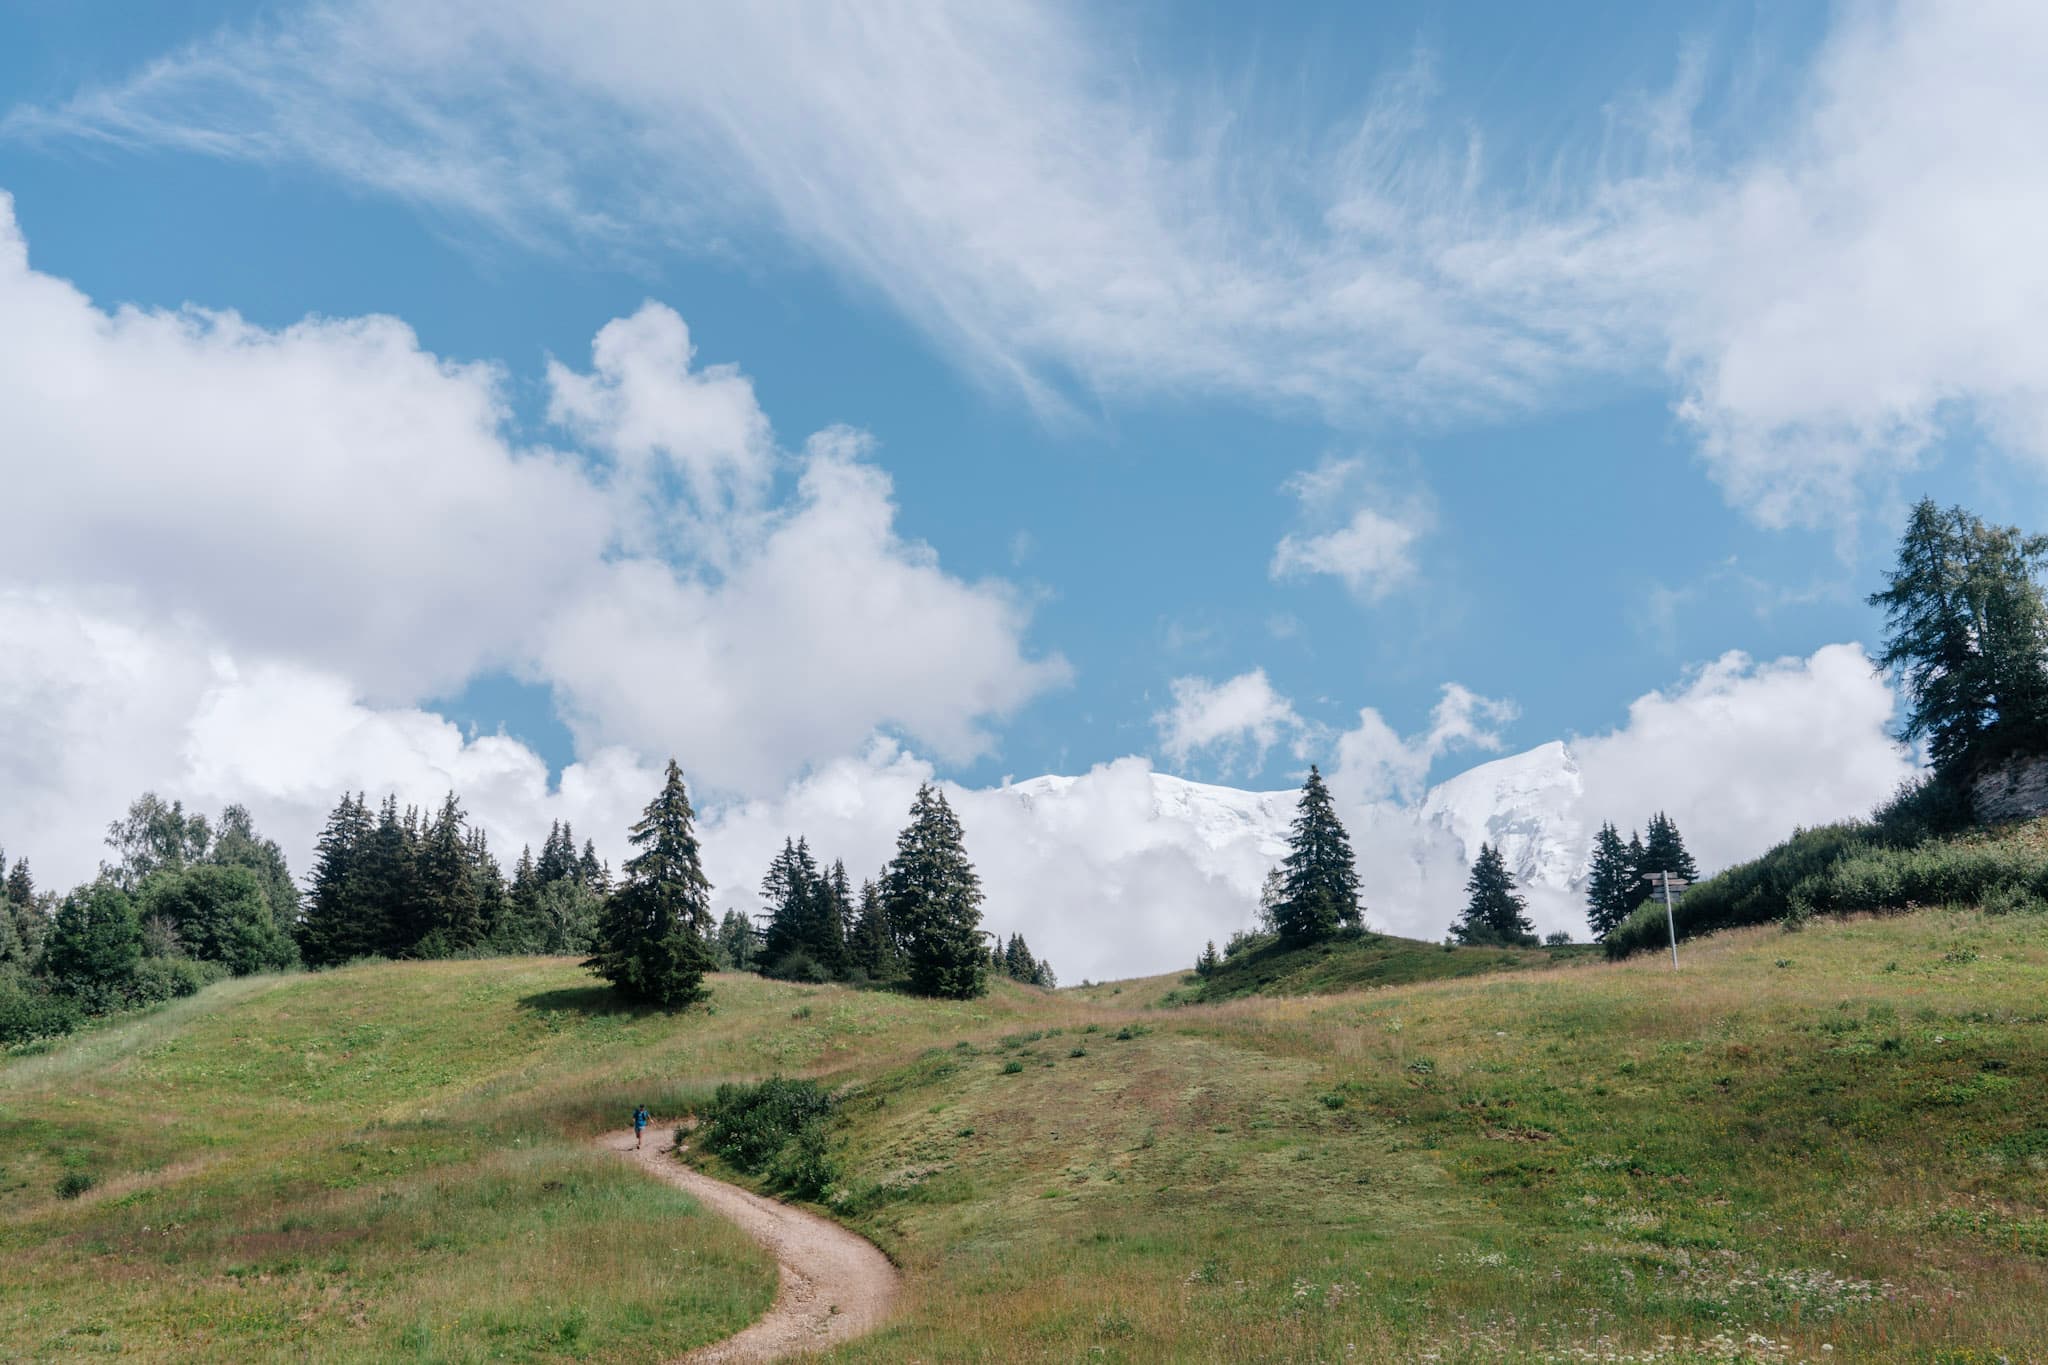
(1343, 353)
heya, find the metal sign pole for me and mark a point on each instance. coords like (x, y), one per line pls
(1670, 920)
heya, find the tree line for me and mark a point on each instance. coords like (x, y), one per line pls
(917, 927)
(409, 884)
(183, 901)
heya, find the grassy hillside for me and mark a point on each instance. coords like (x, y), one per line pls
(1854, 867)
(1363, 962)
(1826, 1140)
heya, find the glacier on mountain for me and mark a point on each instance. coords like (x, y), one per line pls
(1412, 858)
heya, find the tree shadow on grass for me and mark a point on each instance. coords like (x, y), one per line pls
(590, 1001)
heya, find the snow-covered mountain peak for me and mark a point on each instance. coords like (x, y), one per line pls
(1526, 804)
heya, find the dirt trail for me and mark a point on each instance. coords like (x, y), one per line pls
(834, 1284)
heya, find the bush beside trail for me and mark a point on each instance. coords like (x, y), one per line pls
(774, 1129)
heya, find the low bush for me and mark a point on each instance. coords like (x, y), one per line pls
(1840, 870)
(28, 1011)
(776, 1129)
(158, 979)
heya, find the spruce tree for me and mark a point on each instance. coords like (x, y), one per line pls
(788, 890)
(558, 861)
(736, 942)
(652, 942)
(489, 879)
(522, 928)
(933, 896)
(21, 887)
(590, 872)
(387, 888)
(446, 882)
(1208, 962)
(1321, 880)
(1612, 888)
(1494, 913)
(872, 947)
(832, 916)
(335, 927)
(1664, 851)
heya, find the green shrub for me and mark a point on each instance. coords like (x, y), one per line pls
(2012, 900)
(1840, 870)
(776, 1129)
(158, 979)
(1012, 1067)
(28, 1011)
(74, 1183)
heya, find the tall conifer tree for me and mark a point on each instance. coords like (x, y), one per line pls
(872, 948)
(1664, 851)
(1612, 891)
(652, 944)
(932, 894)
(1494, 912)
(1320, 890)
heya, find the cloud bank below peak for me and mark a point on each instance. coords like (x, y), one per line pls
(1823, 300)
(1118, 871)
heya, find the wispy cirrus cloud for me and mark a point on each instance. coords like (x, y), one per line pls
(1824, 296)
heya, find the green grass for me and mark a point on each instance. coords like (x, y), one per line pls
(1360, 963)
(1829, 1139)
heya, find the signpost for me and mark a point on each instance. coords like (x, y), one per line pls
(1669, 885)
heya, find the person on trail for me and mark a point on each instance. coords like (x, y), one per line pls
(639, 1124)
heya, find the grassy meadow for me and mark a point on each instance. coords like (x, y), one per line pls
(1830, 1145)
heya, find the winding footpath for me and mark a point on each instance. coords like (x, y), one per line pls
(834, 1284)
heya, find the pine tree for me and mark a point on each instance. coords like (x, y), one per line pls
(1494, 913)
(521, 929)
(872, 945)
(787, 890)
(1664, 851)
(387, 892)
(21, 887)
(447, 885)
(1967, 631)
(1612, 888)
(592, 873)
(736, 942)
(489, 878)
(1321, 893)
(1209, 961)
(933, 896)
(652, 942)
(832, 917)
(335, 927)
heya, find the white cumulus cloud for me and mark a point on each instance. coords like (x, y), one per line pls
(1239, 715)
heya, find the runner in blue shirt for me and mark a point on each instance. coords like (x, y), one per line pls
(639, 1124)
